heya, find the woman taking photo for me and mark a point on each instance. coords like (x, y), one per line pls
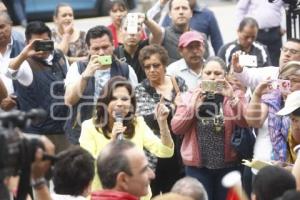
(155, 89)
(66, 37)
(117, 101)
(118, 10)
(206, 118)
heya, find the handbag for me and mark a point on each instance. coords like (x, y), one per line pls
(243, 140)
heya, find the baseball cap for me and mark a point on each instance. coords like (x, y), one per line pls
(188, 37)
(292, 103)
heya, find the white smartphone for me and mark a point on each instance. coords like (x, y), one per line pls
(248, 60)
(132, 23)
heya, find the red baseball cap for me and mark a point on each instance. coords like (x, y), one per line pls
(190, 36)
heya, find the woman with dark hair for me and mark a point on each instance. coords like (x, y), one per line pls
(155, 89)
(117, 101)
(206, 118)
(66, 37)
(117, 11)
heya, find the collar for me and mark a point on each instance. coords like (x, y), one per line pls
(237, 42)
(182, 66)
(177, 30)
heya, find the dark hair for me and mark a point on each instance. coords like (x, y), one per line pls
(296, 40)
(119, 3)
(36, 27)
(150, 50)
(247, 21)
(106, 96)
(171, 4)
(73, 171)
(112, 160)
(218, 60)
(98, 32)
(296, 112)
(290, 195)
(58, 6)
(271, 182)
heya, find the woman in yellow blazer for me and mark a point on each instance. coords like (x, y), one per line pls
(118, 98)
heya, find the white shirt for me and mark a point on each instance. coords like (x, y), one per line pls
(66, 197)
(101, 77)
(180, 68)
(267, 14)
(251, 77)
(156, 10)
(4, 61)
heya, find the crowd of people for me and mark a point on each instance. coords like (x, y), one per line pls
(145, 110)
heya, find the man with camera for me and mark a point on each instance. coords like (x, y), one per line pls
(85, 79)
(38, 73)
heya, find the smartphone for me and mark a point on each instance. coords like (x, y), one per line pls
(105, 60)
(44, 45)
(281, 85)
(211, 86)
(248, 60)
(132, 23)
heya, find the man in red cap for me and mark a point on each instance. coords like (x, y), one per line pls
(191, 48)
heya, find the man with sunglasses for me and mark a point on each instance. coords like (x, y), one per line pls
(251, 77)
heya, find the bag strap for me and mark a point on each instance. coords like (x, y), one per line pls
(175, 85)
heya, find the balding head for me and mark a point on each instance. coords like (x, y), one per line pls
(191, 187)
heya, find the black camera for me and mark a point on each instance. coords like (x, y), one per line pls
(43, 45)
(17, 150)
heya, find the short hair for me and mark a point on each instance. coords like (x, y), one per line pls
(58, 6)
(154, 49)
(73, 171)
(6, 16)
(36, 27)
(271, 182)
(290, 195)
(296, 40)
(171, 196)
(248, 21)
(218, 60)
(112, 160)
(98, 32)
(105, 97)
(171, 4)
(191, 187)
(291, 68)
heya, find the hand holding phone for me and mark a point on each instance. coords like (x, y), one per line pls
(248, 60)
(43, 45)
(105, 60)
(281, 85)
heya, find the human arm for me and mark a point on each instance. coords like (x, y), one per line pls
(155, 11)
(39, 168)
(66, 36)
(215, 33)
(75, 89)
(257, 111)
(242, 9)
(154, 28)
(185, 114)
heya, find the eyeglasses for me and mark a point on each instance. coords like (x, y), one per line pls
(292, 51)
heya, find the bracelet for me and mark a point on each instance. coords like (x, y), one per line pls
(38, 183)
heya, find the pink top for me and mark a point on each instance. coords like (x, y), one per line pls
(184, 123)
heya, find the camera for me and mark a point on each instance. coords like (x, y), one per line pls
(17, 150)
(132, 23)
(105, 60)
(43, 45)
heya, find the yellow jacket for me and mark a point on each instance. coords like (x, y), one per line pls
(94, 141)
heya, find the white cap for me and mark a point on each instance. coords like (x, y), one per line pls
(291, 104)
